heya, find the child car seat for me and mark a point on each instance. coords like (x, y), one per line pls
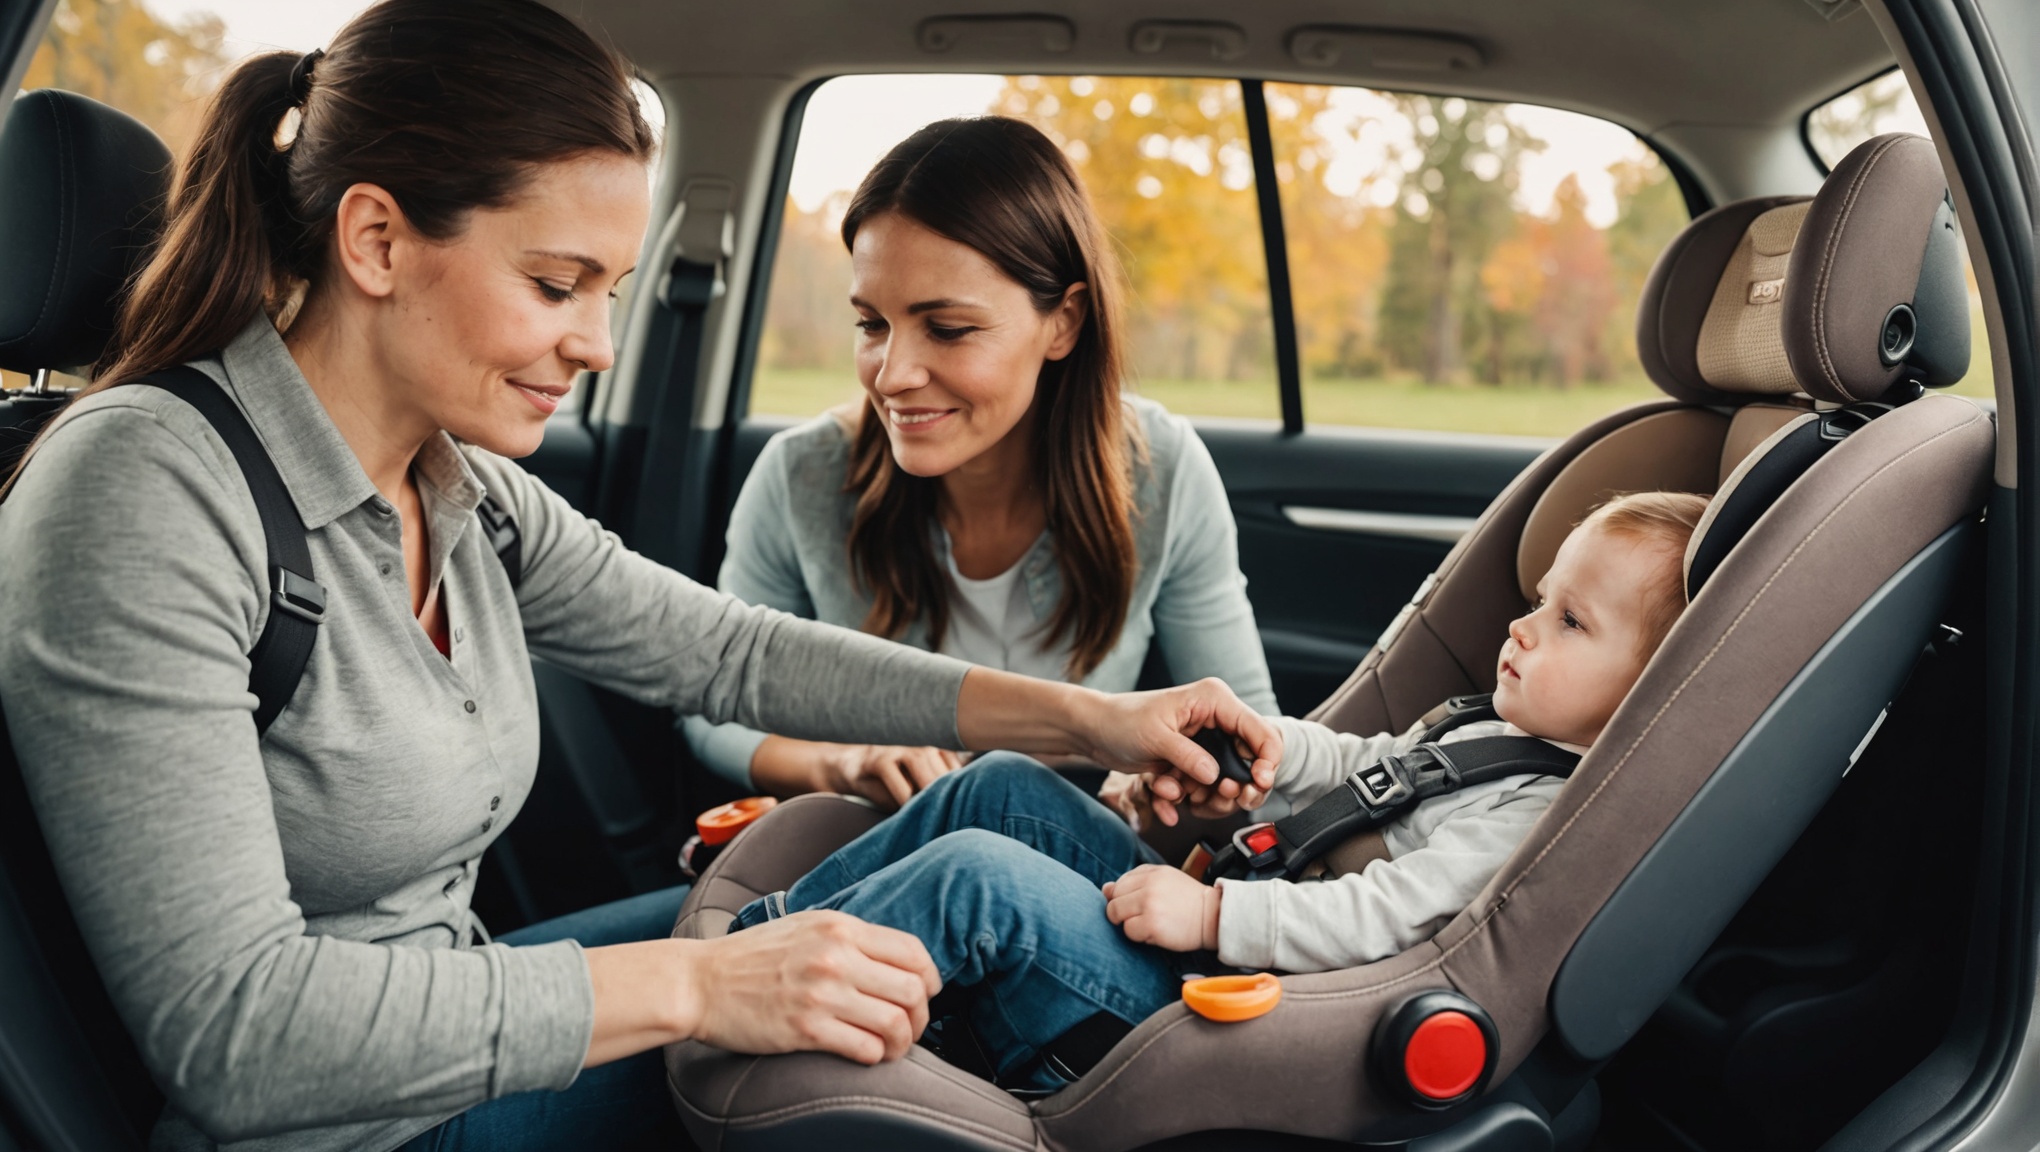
(1829, 582)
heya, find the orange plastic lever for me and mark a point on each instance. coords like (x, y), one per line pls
(720, 824)
(1230, 999)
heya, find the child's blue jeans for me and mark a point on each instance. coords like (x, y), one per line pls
(997, 868)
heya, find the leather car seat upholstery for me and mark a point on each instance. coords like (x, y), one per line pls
(1730, 742)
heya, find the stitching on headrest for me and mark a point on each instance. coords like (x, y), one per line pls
(1825, 275)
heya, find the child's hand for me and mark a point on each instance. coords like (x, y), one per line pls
(1127, 794)
(1170, 790)
(1164, 907)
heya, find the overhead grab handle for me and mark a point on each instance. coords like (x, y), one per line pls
(1371, 49)
(1189, 39)
(1051, 34)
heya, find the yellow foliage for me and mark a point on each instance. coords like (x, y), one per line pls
(119, 53)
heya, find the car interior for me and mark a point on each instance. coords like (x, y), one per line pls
(1783, 902)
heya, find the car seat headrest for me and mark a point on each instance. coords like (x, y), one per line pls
(1875, 296)
(1717, 278)
(1840, 296)
(82, 189)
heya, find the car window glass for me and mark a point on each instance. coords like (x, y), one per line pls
(1166, 164)
(1885, 104)
(1465, 266)
(1872, 108)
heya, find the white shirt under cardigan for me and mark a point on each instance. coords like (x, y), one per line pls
(1440, 855)
(992, 622)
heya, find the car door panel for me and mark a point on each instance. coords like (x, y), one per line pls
(1337, 528)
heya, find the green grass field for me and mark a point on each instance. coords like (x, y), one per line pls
(1520, 410)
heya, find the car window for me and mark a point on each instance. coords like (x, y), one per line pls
(1876, 106)
(1166, 164)
(1885, 104)
(1465, 266)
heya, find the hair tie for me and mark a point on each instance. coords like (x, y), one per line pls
(301, 76)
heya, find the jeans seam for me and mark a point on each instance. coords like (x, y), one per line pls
(1077, 841)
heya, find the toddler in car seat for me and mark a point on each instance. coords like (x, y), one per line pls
(1031, 896)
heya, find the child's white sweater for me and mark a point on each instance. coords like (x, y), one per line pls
(1441, 854)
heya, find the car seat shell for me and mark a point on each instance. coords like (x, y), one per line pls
(1850, 525)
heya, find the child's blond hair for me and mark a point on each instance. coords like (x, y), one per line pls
(1665, 520)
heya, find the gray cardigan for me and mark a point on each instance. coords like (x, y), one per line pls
(285, 925)
(786, 550)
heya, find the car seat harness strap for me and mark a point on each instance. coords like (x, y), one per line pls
(1380, 793)
(297, 600)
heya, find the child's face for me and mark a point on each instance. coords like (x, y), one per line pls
(1568, 664)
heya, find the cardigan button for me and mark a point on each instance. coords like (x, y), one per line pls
(470, 706)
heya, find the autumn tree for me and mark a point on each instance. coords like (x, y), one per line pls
(1167, 167)
(120, 53)
(1458, 177)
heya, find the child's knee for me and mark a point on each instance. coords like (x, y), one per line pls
(1001, 867)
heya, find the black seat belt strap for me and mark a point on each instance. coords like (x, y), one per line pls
(297, 603)
(1378, 794)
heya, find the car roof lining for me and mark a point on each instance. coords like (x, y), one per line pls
(1648, 67)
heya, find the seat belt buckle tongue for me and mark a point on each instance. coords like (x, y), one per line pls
(1381, 785)
(292, 593)
(1259, 846)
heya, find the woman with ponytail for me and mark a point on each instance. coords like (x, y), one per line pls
(395, 257)
(995, 496)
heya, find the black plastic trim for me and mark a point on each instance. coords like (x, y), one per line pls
(1959, 72)
(1717, 851)
(751, 331)
(1281, 302)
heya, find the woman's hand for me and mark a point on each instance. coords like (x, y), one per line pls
(1127, 794)
(888, 775)
(1132, 732)
(1165, 908)
(812, 981)
(1152, 729)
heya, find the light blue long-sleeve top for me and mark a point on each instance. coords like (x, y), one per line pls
(787, 550)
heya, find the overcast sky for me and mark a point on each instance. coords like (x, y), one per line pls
(262, 25)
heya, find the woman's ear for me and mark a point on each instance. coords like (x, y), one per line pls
(1067, 320)
(366, 227)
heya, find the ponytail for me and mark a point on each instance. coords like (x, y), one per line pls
(218, 263)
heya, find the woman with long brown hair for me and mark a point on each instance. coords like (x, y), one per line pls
(395, 257)
(996, 496)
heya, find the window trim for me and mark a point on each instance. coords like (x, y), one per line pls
(751, 331)
(1275, 250)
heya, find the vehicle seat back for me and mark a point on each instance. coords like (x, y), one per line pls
(82, 189)
(1759, 696)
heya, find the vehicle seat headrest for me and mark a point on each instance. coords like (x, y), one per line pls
(82, 190)
(1784, 294)
(1875, 295)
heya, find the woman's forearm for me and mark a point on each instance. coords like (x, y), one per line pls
(1002, 710)
(646, 996)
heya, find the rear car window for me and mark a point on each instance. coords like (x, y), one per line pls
(1465, 266)
(1167, 166)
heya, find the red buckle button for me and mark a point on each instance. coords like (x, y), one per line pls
(1445, 1055)
(1261, 840)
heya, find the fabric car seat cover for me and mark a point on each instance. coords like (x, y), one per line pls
(1854, 518)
